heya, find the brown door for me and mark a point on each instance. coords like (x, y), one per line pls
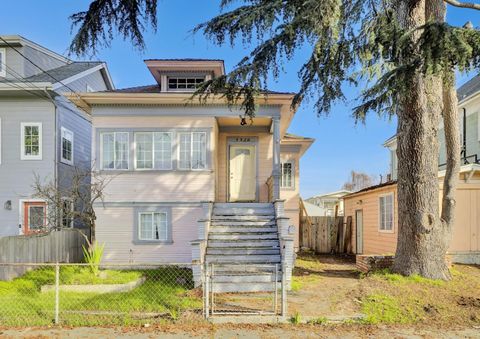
(34, 216)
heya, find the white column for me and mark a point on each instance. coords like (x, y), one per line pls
(276, 158)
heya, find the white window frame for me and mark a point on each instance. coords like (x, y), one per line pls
(23, 156)
(186, 78)
(3, 61)
(64, 135)
(191, 152)
(139, 234)
(114, 153)
(292, 179)
(153, 152)
(391, 194)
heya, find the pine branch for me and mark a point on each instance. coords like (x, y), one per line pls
(460, 4)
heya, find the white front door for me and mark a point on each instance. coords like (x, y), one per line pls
(243, 173)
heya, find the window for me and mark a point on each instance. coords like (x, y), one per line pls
(153, 150)
(153, 226)
(67, 146)
(3, 62)
(287, 177)
(193, 151)
(67, 213)
(386, 212)
(31, 148)
(184, 83)
(114, 149)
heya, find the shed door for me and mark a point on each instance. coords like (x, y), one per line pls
(359, 230)
(243, 173)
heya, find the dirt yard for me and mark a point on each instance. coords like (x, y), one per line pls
(330, 288)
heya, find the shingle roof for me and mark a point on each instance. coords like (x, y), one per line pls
(469, 88)
(156, 89)
(184, 59)
(370, 188)
(63, 72)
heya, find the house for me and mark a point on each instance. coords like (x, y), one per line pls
(373, 210)
(189, 183)
(331, 203)
(41, 133)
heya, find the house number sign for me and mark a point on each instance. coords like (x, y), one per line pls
(242, 139)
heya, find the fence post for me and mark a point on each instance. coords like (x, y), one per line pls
(205, 292)
(284, 290)
(57, 293)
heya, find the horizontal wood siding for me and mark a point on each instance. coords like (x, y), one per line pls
(292, 195)
(116, 227)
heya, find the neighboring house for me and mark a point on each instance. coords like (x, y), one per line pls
(331, 204)
(374, 210)
(313, 210)
(41, 133)
(187, 172)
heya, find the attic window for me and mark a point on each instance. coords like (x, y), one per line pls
(184, 83)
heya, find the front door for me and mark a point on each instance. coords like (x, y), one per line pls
(359, 232)
(243, 173)
(34, 216)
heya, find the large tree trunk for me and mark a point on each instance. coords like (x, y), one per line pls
(423, 236)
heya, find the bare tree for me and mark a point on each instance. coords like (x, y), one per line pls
(358, 181)
(71, 201)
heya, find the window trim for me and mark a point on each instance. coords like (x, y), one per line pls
(153, 168)
(62, 136)
(380, 213)
(3, 61)
(152, 210)
(183, 77)
(191, 152)
(292, 186)
(23, 156)
(101, 134)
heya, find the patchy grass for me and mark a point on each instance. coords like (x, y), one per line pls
(164, 296)
(387, 274)
(383, 308)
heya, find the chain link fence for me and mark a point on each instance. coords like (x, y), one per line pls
(83, 295)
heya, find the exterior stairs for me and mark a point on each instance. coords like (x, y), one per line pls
(243, 248)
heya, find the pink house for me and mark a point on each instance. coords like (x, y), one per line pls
(188, 182)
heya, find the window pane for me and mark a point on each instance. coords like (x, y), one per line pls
(121, 150)
(67, 217)
(163, 150)
(160, 226)
(31, 140)
(146, 226)
(199, 151)
(108, 150)
(184, 152)
(144, 150)
(286, 177)
(36, 217)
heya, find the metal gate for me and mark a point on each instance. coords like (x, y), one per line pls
(244, 289)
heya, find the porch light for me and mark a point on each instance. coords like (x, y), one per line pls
(8, 205)
(243, 121)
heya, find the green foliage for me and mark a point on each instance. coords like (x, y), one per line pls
(93, 256)
(296, 318)
(387, 274)
(386, 309)
(319, 321)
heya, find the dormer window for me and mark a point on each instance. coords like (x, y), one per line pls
(184, 83)
(3, 63)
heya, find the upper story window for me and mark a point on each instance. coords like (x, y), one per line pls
(153, 150)
(184, 83)
(114, 150)
(193, 151)
(3, 62)
(67, 146)
(287, 176)
(386, 212)
(31, 143)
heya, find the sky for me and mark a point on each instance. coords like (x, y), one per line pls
(341, 144)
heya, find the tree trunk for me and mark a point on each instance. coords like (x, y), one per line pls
(422, 238)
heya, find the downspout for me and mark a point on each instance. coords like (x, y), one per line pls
(55, 155)
(464, 141)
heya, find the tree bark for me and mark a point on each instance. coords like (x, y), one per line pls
(422, 238)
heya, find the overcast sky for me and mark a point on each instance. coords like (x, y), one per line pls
(341, 145)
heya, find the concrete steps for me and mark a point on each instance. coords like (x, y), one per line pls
(243, 247)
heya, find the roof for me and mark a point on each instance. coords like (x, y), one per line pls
(470, 87)
(296, 137)
(371, 188)
(18, 40)
(63, 72)
(313, 210)
(156, 89)
(184, 59)
(337, 194)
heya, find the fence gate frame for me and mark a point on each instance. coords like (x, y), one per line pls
(279, 295)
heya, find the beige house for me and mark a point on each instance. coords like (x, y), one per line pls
(188, 181)
(330, 204)
(373, 211)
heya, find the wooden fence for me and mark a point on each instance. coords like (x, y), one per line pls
(57, 246)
